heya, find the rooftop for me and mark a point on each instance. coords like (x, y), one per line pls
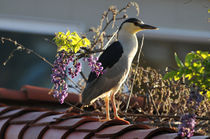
(24, 121)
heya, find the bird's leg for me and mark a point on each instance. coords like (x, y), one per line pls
(115, 109)
(114, 106)
(107, 109)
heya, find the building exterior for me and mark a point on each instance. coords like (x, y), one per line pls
(183, 27)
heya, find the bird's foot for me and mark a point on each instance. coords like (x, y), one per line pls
(121, 119)
(105, 120)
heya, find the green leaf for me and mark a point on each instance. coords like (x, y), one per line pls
(70, 41)
(189, 76)
(178, 61)
(179, 74)
(176, 78)
(204, 55)
(169, 75)
(188, 59)
(208, 95)
(197, 64)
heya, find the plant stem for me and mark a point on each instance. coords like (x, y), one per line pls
(139, 55)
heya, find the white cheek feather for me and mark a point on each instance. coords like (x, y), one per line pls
(129, 43)
(130, 46)
(131, 28)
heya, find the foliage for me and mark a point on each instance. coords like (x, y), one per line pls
(162, 96)
(68, 45)
(187, 126)
(196, 69)
(160, 102)
(70, 42)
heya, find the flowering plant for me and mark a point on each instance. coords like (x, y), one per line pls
(72, 47)
(68, 45)
(164, 102)
(196, 69)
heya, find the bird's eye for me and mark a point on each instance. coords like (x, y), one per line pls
(136, 23)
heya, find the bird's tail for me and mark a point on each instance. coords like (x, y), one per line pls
(88, 94)
(94, 90)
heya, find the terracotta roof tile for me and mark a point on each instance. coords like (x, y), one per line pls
(37, 93)
(111, 131)
(173, 135)
(35, 132)
(117, 130)
(166, 136)
(147, 133)
(13, 131)
(5, 109)
(33, 123)
(29, 92)
(3, 125)
(49, 119)
(30, 117)
(54, 133)
(12, 94)
(39, 123)
(97, 126)
(78, 135)
(73, 123)
(11, 113)
(42, 94)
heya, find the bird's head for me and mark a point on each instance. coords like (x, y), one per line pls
(133, 25)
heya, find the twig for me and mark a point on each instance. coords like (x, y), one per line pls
(50, 41)
(89, 52)
(73, 106)
(29, 51)
(105, 27)
(10, 56)
(159, 124)
(41, 57)
(161, 116)
(79, 87)
(21, 47)
(99, 31)
(153, 102)
(142, 43)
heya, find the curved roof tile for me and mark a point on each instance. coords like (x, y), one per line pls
(33, 123)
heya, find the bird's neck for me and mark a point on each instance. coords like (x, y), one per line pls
(129, 42)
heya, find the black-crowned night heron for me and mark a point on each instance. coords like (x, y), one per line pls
(116, 61)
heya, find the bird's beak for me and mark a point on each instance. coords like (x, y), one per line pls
(145, 26)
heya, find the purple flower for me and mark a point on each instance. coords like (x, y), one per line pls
(95, 65)
(196, 97)
(186, 128)
(75, 70)
(59, 74)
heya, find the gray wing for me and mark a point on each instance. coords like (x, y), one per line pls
(115, 70)
(108, 58)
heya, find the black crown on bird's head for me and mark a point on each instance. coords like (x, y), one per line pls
(137, 22)
(133, 20)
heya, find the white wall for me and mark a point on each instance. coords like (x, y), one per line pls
(179, 18)
(183, 25)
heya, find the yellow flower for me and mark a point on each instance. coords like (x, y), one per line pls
(70, 42)
(189, 76)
